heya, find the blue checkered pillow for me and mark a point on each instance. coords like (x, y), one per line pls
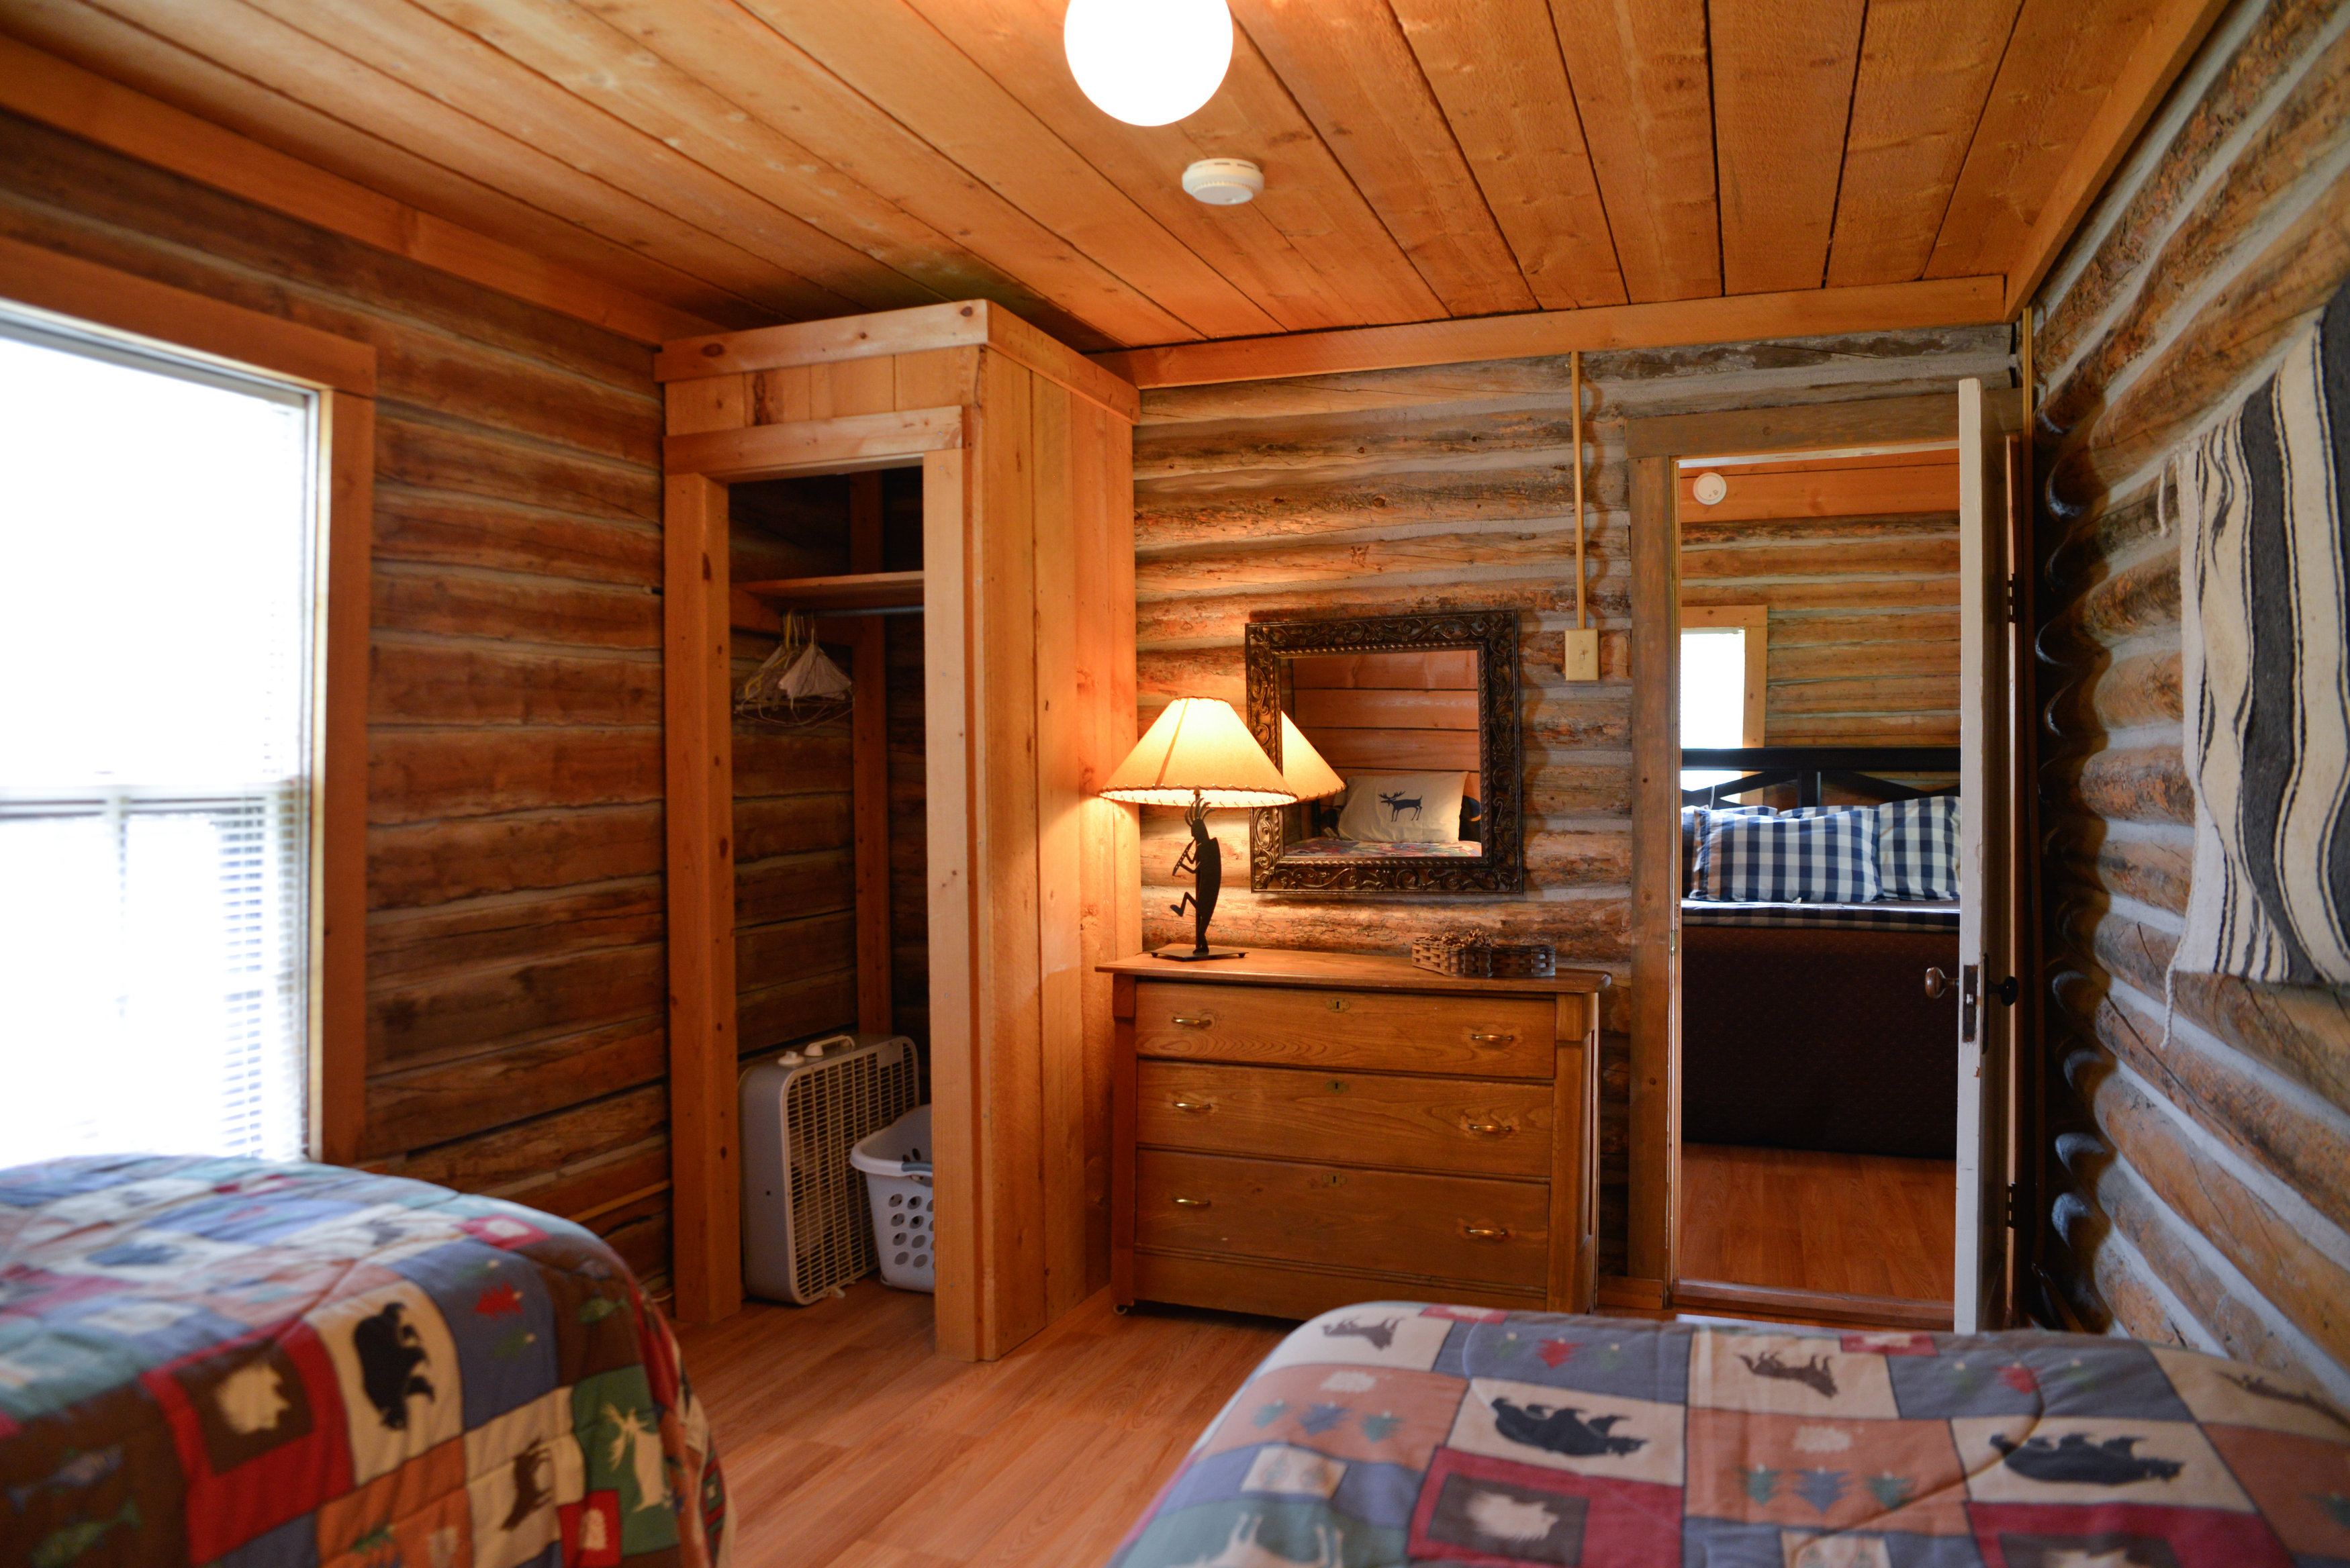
(1918, 848)
(1693, 820)
(1825, 859)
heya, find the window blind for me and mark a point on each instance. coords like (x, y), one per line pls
(158, 523)
(1713, 697)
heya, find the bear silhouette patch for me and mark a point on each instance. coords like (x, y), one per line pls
(2074, 1458)
(391, 1354)
(1562, 1431)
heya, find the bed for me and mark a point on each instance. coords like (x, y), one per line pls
(1805, 1023)
(1396, 1433)
(259, 1364)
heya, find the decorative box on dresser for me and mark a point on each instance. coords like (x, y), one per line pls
(1296, 1131)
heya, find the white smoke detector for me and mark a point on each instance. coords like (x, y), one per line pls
(1710, 488)
(1224, 181)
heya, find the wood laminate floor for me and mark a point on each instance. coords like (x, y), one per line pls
(1852, 1224)
(849, 1443)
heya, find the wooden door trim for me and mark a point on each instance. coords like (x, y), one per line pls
(959, 323)
(850, 443)
(699, 816)
(1653, 1244)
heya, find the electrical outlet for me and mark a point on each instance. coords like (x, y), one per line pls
(1581, 660)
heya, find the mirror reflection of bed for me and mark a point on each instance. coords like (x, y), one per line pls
(1400, 727)
(1820, 664)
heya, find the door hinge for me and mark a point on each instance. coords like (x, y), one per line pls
(2014, 598)
(2010, 1206)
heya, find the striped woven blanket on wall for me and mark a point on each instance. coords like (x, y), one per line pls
(2264, 498)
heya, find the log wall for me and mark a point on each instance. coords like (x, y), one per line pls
(1858, 567)
(1441, 487)
(2199, 1189)
(515, 1035)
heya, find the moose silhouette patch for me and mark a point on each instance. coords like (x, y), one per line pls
(1562, 1431)
(1815, 1374)
(390, 1352)
(1378, 1336)
(1399, 802)
(2073, 1459)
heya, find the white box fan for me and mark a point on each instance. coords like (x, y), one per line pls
(805, 1224)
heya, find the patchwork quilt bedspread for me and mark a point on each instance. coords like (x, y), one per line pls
(300, 1366)
(1396, 1433)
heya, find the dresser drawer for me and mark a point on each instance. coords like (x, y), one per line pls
(1480, 1036)
(1383, 1221)
(1469, 1126)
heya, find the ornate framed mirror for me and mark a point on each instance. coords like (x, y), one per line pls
(1418, 715)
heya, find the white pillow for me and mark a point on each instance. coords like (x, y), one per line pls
(1403, 808)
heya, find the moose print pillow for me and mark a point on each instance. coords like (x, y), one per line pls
(1403, 808)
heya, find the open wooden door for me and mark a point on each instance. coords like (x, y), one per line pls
(1987, 981)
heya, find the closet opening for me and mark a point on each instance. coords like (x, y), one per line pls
(830, 913)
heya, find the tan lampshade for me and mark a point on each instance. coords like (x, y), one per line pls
(1198, 745)
(1308, 775)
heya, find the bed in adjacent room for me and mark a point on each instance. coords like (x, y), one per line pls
(1394, 1433)
(1808, 935)
(236, 1362)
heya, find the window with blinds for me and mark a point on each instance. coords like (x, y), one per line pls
(1713, 696)
(158, 532)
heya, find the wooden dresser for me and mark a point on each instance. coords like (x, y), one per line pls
(1297, 1131)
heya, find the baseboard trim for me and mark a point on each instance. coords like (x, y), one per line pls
(1827, 1308)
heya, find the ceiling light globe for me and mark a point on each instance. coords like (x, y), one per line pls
(1148, 62)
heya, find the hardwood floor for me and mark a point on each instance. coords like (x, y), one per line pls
(1851, 1224)
(847, 1443)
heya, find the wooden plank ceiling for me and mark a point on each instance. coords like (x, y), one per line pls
(758, 160)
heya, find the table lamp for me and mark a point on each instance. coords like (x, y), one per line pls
(1199, 756)
(1302, 767)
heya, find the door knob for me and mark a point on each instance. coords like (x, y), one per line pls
(1937, 982)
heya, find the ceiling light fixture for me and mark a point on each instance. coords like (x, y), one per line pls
(1148, 62)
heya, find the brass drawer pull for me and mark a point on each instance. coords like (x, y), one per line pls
(1193, 1203)
(1490, 1129)
(1493, 1039)
(1194, 1107)
(1476, 1232)
(1193, 1022)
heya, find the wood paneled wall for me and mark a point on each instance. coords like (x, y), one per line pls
(794, 867)
(1452, 486)
(2201, 1193)
(516, 1040)
(1857, 563)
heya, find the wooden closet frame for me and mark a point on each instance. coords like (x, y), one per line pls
(1653, 447)
(1027, 454)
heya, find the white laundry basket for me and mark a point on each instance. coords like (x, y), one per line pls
(897, 1166)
